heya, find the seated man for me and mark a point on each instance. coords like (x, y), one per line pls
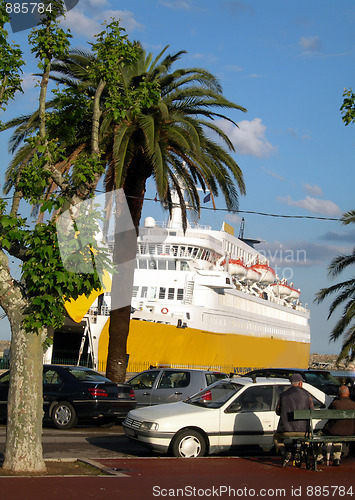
(340, 427)
(294, 398)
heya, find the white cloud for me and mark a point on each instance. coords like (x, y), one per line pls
(249, 137)
(97, 3)
(29, 81)
(310, 44)
(176, 4)
(274, 174)
(314, 205)
(234, 67)
(88, 24)
(290, 254)
(126, 17)
(80, 24)
(297, 135)
(313, 190)
(211, 58)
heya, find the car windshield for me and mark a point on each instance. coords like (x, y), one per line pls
(216, 395)
(320, 378)
(87, 375)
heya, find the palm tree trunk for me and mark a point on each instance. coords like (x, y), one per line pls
(122, 282)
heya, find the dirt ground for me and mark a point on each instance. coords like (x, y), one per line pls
(60, 468)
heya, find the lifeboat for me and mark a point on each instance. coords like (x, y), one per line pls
(294, 293)
(267, 273)
(252, 275)
(236, 267)
(281, 289)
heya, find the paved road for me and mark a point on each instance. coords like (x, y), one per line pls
(90, 442)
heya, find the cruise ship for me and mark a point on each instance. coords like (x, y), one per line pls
(201, 298)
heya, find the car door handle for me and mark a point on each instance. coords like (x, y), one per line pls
(179, 393)
(146, 393)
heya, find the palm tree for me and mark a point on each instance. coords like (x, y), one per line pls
(175, 141)
(346, 296)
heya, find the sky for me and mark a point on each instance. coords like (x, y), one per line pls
(287, 63)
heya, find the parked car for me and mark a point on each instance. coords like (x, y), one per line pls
(322, 379)
(229, 413)
(75, 392)
(168, 385)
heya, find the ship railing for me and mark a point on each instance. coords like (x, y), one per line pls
(134, 368)
(165, 225)
(94, 311)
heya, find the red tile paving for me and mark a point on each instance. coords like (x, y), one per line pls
(214, 477)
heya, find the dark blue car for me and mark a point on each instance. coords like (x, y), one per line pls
(71, 393)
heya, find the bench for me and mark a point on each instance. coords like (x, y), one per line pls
(311, 443)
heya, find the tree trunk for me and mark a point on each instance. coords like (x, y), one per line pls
(122, 282)
(23, 449)
(117, 350)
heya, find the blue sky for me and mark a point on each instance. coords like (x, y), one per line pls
(287, 63)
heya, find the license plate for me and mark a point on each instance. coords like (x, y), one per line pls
(130, 432)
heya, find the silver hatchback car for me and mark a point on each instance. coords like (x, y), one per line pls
(168, 385)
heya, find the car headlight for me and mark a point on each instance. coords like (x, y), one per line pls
(150, 426)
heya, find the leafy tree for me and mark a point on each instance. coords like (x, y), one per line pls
(348, 107)
(11, 63)
(150, 121)
(35, 305)
(345, 290)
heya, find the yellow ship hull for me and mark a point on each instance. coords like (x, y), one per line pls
(160, 344)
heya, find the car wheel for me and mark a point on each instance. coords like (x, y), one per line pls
(189, 444)
(64, 416)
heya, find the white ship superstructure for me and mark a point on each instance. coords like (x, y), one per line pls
(204, 297)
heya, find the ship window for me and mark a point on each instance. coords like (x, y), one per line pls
(162, 264)
(162, 293)
(135, 291)
(175, 250)
(184, 266)
(180, 294)
(152, 292)
(144, 292)
(171, 265)
(171, 292)
(142, 263)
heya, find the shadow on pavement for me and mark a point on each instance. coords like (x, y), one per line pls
(121, 444)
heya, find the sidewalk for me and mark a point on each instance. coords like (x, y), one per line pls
(212, 477)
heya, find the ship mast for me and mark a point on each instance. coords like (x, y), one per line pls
(175, 218)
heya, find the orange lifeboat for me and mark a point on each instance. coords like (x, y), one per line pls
(252, 275)
(294, 293)
(236, 267)
(281, 289)
(268, 275)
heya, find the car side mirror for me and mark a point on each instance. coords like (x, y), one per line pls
(234, 407)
